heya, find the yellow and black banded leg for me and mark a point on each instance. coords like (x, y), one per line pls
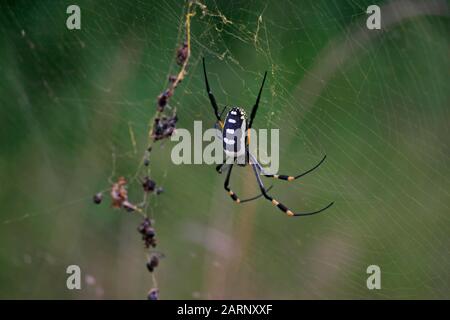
(231, 193)
(226, 186)
(291, 178)
(278, 204)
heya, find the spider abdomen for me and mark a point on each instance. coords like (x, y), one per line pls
(234, 131)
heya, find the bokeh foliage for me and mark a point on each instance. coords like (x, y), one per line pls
(68, 98)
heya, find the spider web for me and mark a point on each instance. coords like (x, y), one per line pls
(376, 102)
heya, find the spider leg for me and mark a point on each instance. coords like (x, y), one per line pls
(291, 178)
(234, 195)
(255, 197)
(221, 113)
(219, 167)
(226, 186)
(212, 99)
(255, 107)
(281, 206)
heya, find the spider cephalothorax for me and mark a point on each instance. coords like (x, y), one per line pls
(235, 130)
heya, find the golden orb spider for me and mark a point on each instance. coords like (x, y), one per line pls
(236, 122)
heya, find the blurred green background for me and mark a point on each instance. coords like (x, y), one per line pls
(376, 102)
